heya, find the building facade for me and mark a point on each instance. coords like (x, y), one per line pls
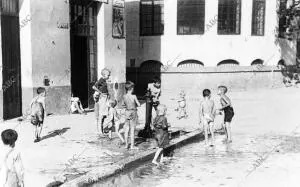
(61, 45)
(204, 35)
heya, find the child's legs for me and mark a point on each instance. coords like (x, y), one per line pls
(97, 115)
(205, 128)
(157, 153)
(110, 134)
(36, 131)
(126, 132)
(40, 129)
(101, 121)
(211, 129)
(80, 106)
(132, 130)
(228, 130)
(119, 131)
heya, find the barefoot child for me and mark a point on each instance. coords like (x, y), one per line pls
(130, 103)
(182, 113)
(112, 120)
(76, 106)
(12, 171)
(207, 114)
(227, 109)
(101, 97)
(37, 106)
(161, 132)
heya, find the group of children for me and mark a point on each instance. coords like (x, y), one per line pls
(208, 111)
(124, 123)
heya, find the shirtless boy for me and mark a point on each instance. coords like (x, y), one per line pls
(207, 112)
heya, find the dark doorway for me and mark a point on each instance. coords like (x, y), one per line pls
(11, 70)
(83, 49)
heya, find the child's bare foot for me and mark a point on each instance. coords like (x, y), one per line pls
(126, 146)
(155, 162)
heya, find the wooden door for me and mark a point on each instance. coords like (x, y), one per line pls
(11, 66)
(84, 25)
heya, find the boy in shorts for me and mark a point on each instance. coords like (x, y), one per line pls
(37, 106)
(228, 111)
(207, 114)
(130, 103)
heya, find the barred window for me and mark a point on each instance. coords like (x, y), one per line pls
(151, 17)
(190, 17)
(258, 17)
(229, 17)
(282, 19)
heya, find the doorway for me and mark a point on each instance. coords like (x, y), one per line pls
(11, 65)
(83, 49)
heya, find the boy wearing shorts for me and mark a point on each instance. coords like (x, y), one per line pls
(227, 110)
(130, 102)
(37, 106)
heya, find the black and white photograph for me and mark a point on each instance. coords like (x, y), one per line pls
(149, 93)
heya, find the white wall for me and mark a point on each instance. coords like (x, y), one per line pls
(209, 48)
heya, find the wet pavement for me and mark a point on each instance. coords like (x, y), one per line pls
(264, 151)
(198, 165)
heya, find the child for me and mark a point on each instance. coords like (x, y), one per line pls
(227, 109)
(181, 106)
(37, 106)
(154, 91)
(101, 97)
(161, 132)
(112, 120)
(12, 171)
(76, 106)
(207, 114)
(130, 103)
(152, 95)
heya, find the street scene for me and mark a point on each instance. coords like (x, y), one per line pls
(149, 93)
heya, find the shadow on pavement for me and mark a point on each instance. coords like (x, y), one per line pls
(55, 133)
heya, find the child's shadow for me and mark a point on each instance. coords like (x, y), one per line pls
(55, 133)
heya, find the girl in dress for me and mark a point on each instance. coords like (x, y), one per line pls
(161, 126)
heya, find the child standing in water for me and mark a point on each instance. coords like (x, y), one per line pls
(113, 121)
(12, 171)
(101, 97)
(207, 114)
(161, 132)
(130, 103)
(227, 109)
(37, 106)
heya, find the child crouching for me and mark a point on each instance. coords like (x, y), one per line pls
(160, 124)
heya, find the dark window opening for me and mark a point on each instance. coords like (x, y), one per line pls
(229, 17)
(257, 62)
(151, 17)
(190, 17)
(190, 64)
(228, 63)
(282, 19)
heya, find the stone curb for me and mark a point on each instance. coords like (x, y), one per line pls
(98, 175)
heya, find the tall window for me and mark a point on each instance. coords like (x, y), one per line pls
(258, 17)
(190, 17)
(229, 17)
(282, 19)
(152, 17)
